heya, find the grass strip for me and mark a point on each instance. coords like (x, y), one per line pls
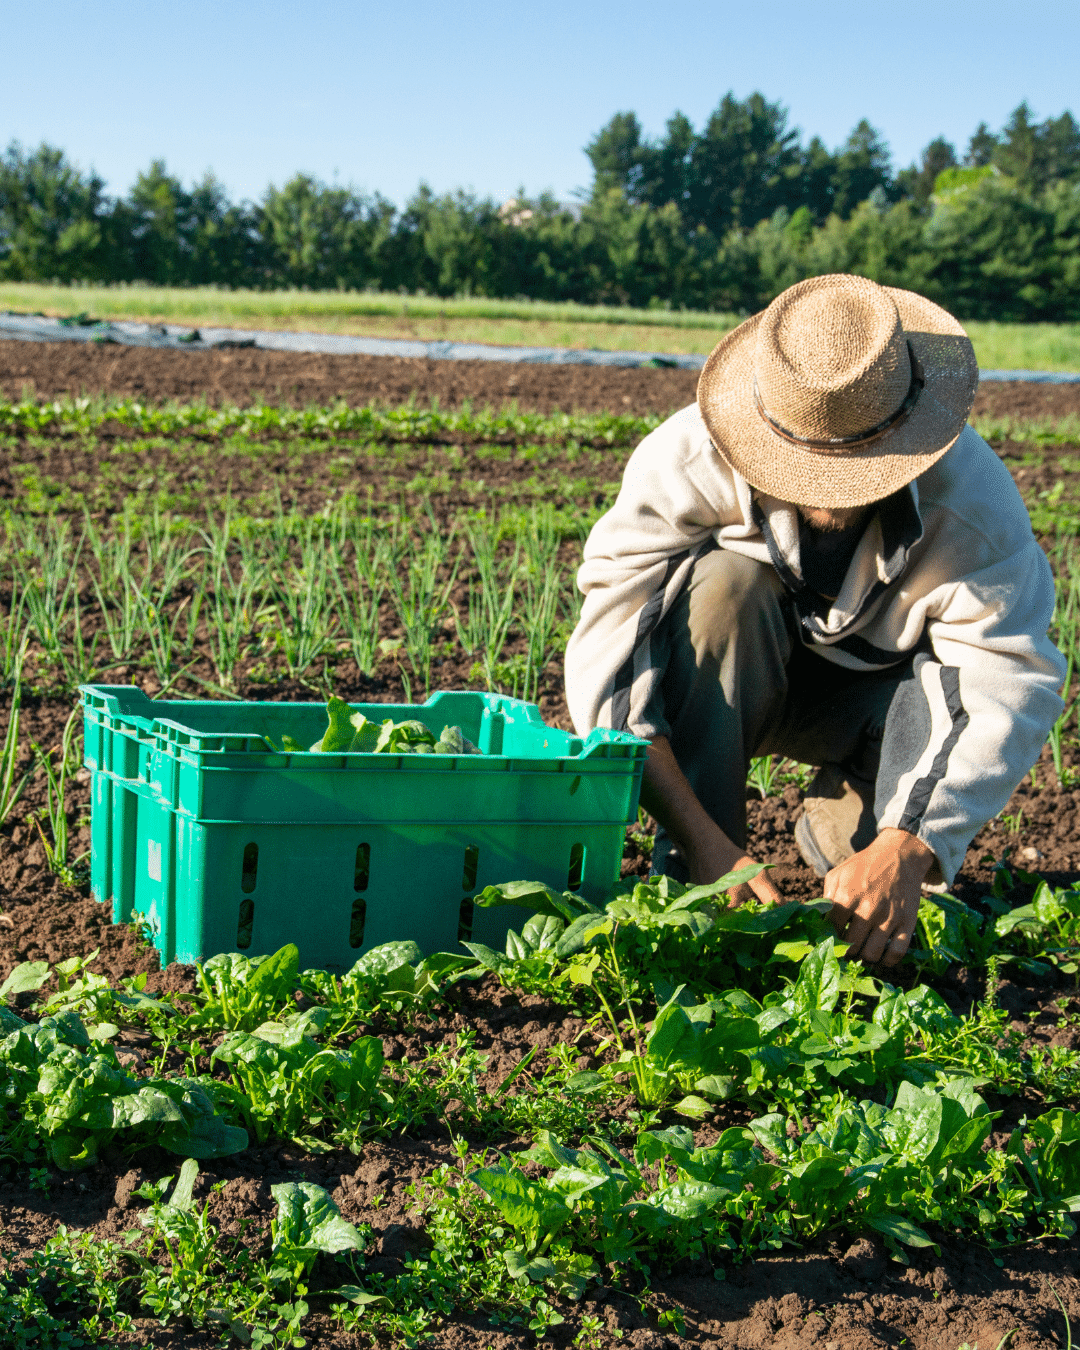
(998, 346)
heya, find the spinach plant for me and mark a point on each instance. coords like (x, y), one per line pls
(287, 1085)
(59, 1088)
(352, 732)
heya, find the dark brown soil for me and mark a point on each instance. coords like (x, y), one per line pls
(106, 474)
(842, 1296)
(299, 378)
(1005, 399)
(53, 369)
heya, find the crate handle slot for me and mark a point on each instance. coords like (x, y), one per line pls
(245, 923)
(362, 867)
(468, 874)
(249, 869)
(357, 919)
(465, 919)
(576, 870)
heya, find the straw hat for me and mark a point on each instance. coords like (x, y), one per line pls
(839, 393)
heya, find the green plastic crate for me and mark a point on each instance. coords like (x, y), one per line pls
(224, 843)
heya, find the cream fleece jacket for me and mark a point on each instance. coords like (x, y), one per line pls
(956, 565)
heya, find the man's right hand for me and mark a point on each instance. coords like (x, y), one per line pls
(709, 853)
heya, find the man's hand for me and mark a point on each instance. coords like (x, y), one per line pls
(709, 853)
(713, 856)
(875, 896)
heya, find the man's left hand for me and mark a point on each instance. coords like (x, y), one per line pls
(875, 896)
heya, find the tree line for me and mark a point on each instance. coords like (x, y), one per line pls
(721, 218)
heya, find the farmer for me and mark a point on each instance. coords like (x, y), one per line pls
(820, 559)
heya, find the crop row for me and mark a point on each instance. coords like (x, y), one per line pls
(868, 1100)
(80, 417)
(84, 416)
(296, 596)
(320, 601)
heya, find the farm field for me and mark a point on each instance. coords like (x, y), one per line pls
(532, 323)
(378, 529)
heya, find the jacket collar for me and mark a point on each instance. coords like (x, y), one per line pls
(879, 560)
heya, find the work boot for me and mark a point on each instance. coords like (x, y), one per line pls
(837, 820)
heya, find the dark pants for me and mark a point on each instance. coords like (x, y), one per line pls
(739, 683)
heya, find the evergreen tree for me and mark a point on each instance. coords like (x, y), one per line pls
(156, 220)
(918, 182)
(1038, 154)
(1017, 151)
(992, 253)
(665, 166)
(616, 153)
(817, 180)
(1060, 149)
(862, 164)
(52, 218)
(981, 147)
(319, 236)
(741, 166)
(222, 238)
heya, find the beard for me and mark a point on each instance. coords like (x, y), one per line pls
(833, 519)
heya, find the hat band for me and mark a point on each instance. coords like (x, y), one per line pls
(841, 443)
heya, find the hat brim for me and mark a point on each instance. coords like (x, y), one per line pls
(866, 473)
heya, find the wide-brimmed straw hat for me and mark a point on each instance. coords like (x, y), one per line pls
(840, 392)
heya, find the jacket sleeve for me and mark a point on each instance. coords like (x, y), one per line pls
(982, 705)
(675, 492)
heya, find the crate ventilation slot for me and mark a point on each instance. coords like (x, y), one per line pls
(250, 868)
(362, 867)
(468, 874)
(356, 921)
(577, 867)
(245, 923)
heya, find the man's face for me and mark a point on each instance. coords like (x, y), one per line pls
(833, 518)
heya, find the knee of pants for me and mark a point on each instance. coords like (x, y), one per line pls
(730, 594)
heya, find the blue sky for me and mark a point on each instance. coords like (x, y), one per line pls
(490, 95)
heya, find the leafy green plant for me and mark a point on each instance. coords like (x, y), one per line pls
(71, 1293)
(24, 978)
(103, 1009)
(1046, 930)
(770, 774)
(308, 1223)
(82, 1290)
(240, 992)
(949, 933)
(645, 938)
(60, 1088)
(351, 732)
(394, 977)
(289, 1085)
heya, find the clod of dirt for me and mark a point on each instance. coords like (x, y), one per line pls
(864, 1260)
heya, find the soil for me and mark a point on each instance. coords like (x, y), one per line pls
(843, 1295)
(299, 378)
(51, 370)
